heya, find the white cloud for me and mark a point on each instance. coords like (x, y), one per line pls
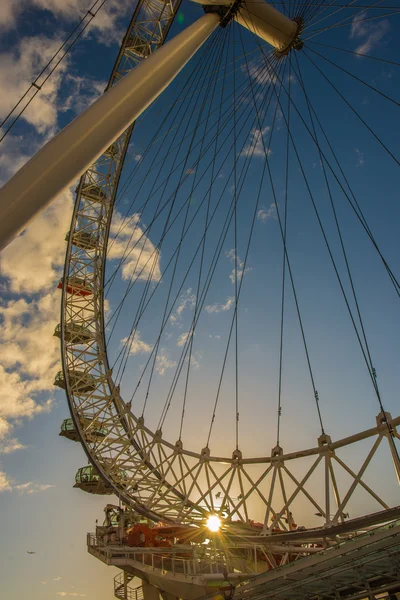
(163, 362)
(194, 360)
(33, 262)
(9, 445)
(136, 345)
(256, 145)
(139, 257)
(32, 488)
(82, 91)
(57, 578)
(76, 594)
(182, 339)
(370, 33)
(31, 267)
(8, 11)
(264, 215)
(5, 483)
(13, 156)
(105, 26)
(216, 308)
(18, 68)
(360, 157)
(239, 266)
(187, 301)
(258, 73)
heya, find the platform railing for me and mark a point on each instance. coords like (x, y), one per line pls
(166, 559)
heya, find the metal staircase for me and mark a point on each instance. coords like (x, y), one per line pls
(123, 590)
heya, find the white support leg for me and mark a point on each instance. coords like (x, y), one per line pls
(268, 23)
(62, 160)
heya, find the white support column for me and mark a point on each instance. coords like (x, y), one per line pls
(268, 23)
(62, 160)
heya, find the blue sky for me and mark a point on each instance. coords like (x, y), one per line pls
(44, 513)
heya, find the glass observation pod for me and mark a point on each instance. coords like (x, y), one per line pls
(68, 430)
(88, 480)
(83, 239)
(77, 286)
(74, 333)
(137, 45)
(94, 193)
(80, 381)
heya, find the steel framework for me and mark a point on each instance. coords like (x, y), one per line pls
(164, 480)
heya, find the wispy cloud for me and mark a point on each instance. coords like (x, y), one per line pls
(130, 244)
(265, 215)
(217, 308)
(136, 344)
(7, 446)
(8, 485)
(238, 270)
(31, 267)
(256, 145)
(105, 27)
(32, 488)
(182, 339)
(360, 157)
(258, 72)
(5, 483)
(187, 301)
(370, 33)
(164, 362)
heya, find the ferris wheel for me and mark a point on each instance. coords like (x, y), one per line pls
(229, 297)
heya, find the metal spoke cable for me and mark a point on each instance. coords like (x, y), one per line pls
(172, 204)
(91, 13)
(355, 77)
(353, 110)
(211, 83)
(363, 346)
(321, 6)
(353, 203)
(384, 60)
(145, 235)
(227, 121)
(203, 299)
(295, 297)
(367, 353)
(376, 5)
(248, 246)
(257, 72)
(228, 117)
(236, 255)
(313, 33)
(204, 66)
(182, 96)
(206, 286)
(279, 411)
(175, 250)
(191, 331)
(352, 198)
(331, 14)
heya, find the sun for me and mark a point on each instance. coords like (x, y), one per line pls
(214, 523)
